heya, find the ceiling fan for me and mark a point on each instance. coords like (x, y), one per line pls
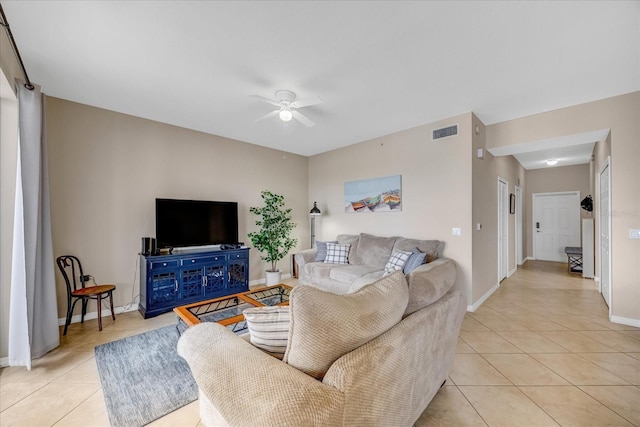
(288, 107)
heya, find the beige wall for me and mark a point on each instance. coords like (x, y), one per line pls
(554, 180)
(107, 168)
(436, 188)
(485, 212)
(621, 114)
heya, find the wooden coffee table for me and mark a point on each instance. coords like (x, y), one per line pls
(227, 310)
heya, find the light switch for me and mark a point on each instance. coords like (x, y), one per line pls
(634, 233)
(478, 226)
(456, 231)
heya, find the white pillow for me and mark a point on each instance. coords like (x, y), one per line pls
(269, 328)
(396, 261)
(337, 254)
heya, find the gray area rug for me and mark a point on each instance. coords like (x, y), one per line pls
(143, 378)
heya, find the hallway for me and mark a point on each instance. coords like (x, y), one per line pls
(541, 351)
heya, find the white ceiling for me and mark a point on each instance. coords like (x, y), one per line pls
(379, 67)
(567, 150)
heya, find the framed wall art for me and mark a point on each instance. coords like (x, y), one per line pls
(374, 195)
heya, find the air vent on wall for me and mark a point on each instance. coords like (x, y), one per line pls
(445, 132)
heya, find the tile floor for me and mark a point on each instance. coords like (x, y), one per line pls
(539, 351)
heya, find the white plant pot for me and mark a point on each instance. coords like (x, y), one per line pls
(273, 278)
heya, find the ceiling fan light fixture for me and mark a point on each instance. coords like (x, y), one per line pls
(552, 162)
(285, 114)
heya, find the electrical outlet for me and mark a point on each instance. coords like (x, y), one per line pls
(85, 278)
(456, 231)
(634, 233)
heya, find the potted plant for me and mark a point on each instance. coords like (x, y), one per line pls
(274, 236)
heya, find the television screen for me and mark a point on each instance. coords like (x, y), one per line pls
(181, 223)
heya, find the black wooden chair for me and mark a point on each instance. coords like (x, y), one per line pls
(77, 290)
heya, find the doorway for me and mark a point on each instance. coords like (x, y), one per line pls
(519, 259)
(503, 229)
(556, 224)
(605, 231)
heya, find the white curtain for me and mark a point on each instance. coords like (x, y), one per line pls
(33, 313)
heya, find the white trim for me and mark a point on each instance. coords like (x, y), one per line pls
(4, 362)
(625, 321)
(596, 278)
(605, 164)
(94, 314)
(483, 298)
(518, 237)
(510, 273)
(529, 258)
(503, 216)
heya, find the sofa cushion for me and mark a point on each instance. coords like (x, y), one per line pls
(269, 328)
(321, 248)
(396, 261)
(374, 250)
(416, 259)
(350, 239)
(430, 247)
(349, 273)
(325, 326)
(337, 254)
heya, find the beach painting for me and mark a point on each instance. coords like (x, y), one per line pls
(374, 195)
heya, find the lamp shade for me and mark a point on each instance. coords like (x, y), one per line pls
(314, 210)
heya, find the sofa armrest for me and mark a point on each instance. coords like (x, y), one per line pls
(429, 282)
(304, 257)
(249, 387)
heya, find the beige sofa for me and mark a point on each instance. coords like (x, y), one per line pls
(387, 380)
(368, 255)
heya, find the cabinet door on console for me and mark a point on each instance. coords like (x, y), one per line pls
(214, 277)
(238, 265)
(163, 283)
(195, 274)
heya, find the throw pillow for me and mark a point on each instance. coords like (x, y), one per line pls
(416, 259)
(337, 254)
(269, 328)
(322, 250)
(396, 261)
(326, 326)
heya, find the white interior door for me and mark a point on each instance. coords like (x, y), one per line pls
(605, 231)
(503, 230)
(556, 223)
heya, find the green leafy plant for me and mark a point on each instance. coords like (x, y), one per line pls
(274, 236)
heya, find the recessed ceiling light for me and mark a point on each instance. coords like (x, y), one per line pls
(552, 162)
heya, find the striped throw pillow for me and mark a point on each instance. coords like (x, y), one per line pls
(396, 262)
(337, 254)
(269, 328)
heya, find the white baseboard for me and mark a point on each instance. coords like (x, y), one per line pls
(94, 314)
(509, 274)
(626, 321)
(529, 258)
(263, 281)
(4, 362)
(483, 298)
(596, 278)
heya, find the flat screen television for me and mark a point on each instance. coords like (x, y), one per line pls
(183, 223)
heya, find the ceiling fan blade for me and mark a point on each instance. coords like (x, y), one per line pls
(267, 100)
(268, 115)
(306, 102)
(302, 119)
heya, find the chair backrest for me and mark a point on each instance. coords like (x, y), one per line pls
(71, 270)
